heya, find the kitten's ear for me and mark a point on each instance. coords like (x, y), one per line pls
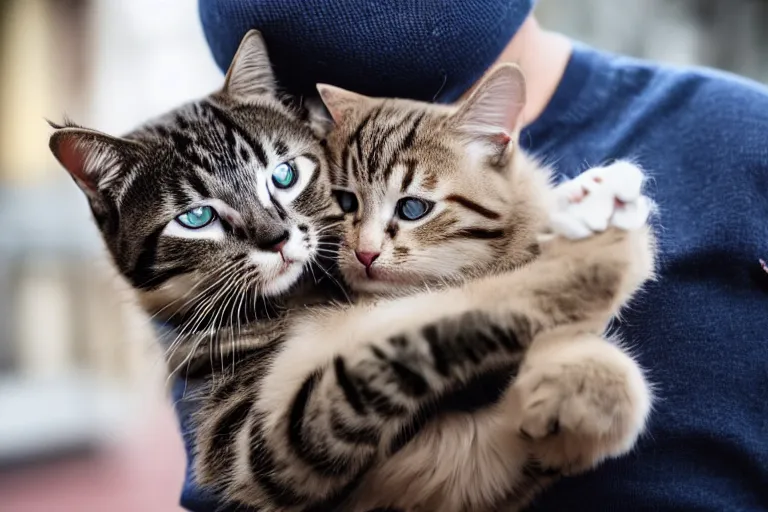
(491, 115)
(92, 158)
(341, 102)
(318, 117)
(250, 73)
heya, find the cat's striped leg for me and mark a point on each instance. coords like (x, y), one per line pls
(369, 401)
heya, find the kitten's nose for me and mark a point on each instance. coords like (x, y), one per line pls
(276, 244)
(366, 258)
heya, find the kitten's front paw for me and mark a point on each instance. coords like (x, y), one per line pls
(599, 198)
(586, 406)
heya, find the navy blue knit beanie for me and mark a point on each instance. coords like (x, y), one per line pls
(420, 49)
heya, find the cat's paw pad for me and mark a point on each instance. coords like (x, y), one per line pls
(599, 198)
(576, 415)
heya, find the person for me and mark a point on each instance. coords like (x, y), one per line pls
(701, 329)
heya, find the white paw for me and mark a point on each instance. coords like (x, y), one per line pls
(599, 198)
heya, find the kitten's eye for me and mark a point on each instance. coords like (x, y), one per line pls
(197, 218)
(347, 201)
(413, 208)
(285, 175)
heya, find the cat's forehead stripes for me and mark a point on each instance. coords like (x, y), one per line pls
(472, 205)
(204, 152)
(212, 145)
(410, 171)
(379, 141)
(237, 135)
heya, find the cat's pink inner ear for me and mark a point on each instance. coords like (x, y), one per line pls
(496, 104)
(501, 139)
(328, 94)
(72, 156)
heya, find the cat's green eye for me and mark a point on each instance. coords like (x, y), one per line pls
(285, 175)
(413, 208)
(347, 201)
(197, 218)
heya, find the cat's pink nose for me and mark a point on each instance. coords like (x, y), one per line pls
(366, 258)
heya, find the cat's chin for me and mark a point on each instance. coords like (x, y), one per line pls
(381, 285)
(283, 279)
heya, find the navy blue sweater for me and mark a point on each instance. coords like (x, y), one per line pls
(702, 329)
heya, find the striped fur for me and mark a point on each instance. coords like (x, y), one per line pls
(409, 403)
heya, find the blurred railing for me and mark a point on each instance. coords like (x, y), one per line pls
(78, 364)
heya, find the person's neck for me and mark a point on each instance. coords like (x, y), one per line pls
(543, 57)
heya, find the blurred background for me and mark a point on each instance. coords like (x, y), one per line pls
(85, 423)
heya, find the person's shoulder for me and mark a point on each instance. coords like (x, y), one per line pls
(694, 93)
(698, 112)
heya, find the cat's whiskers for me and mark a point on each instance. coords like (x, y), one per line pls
(180, 336)
(266, 306)
(241, 300)
(204, 280)
(341, 287)
(172, 373)
(321, 231)
(196, 296)
(233, 344)
(202, 334)
(312, 271)
(239, 289)
(216, 301)
(193, 323)
(328, 252)
(216, 322)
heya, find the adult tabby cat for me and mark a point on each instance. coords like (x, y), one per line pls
(215, 211)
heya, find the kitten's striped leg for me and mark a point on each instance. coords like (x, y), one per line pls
(414, 375)
(371, 400)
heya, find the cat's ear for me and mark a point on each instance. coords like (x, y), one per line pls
(492, 113)
(250, 74)
(340, 102)
(318, 117)
(93, 159)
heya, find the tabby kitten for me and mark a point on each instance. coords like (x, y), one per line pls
(407, 402)
(436, 195)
